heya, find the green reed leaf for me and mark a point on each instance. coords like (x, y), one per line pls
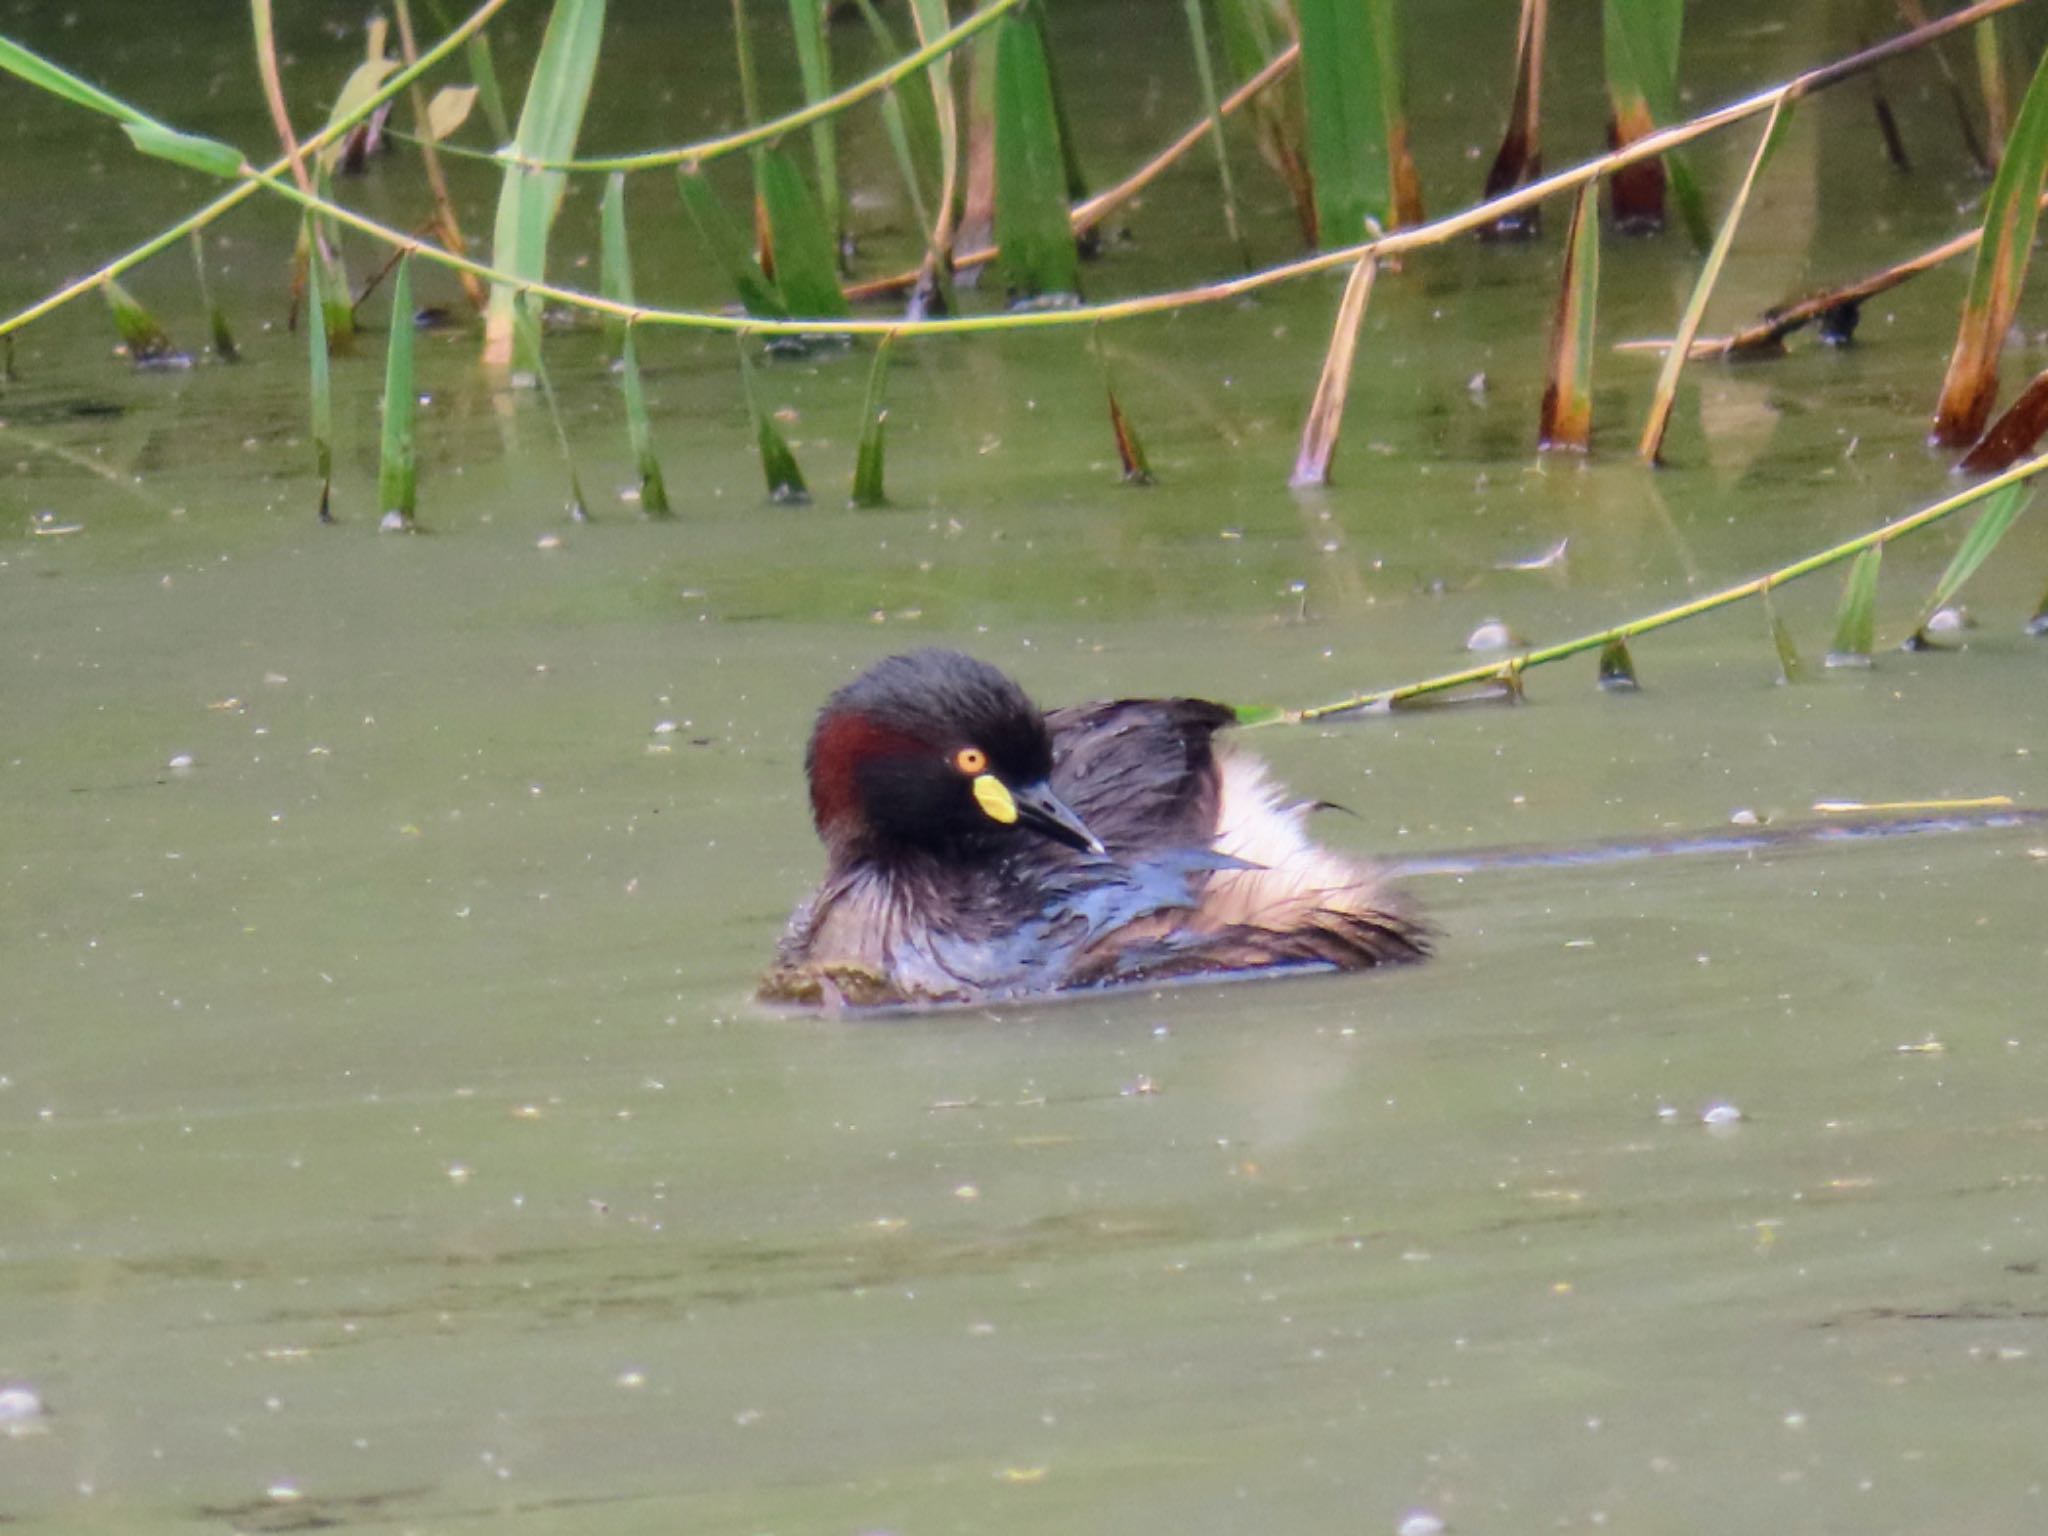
(221, 332)
(1790, 668)
(808, 22)
(1856, 617)
(549, 122)
(729, 246)
(806, 258)
(1034, 240)
(529, 345)
(146, 340)
(1617, 667)
(209, 156)
(397, 469)
(874, 417)
(778, 464)
(653, 487)
(2000, 512)
(322, 397)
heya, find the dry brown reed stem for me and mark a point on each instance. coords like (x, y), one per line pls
(273, 92)
(1393, 243)
(1781, 321)
(1086, 215)
(1326, 412)
(430, 161)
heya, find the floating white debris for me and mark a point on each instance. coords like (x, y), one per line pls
(180, 763)
(1925, 1047)
(1720, 1114)
(394, 522)
(548, 542)
(1493, 635)
(665, 728)
(1420, 1522)
(284, 1493)
(21, 1409)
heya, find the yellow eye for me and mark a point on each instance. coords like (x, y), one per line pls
(971, 760)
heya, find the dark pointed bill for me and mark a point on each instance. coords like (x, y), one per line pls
(1043, 811)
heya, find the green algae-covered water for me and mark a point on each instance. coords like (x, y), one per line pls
(388, 1141)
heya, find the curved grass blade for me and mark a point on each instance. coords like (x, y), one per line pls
(814, 64)
(1992, 524)
(397, 468)
(548, 124)
(1856, 617)
(322, 400)
(778, 464)
(2011, 213)
(1567, 416)
(1790, 667)
(616, 264)
(1326, 411)
(222, 333)
(653, 487)
(1617, 668)
(1205, 73)
(1519, 159)
(874, 417)
(806, 258)
(615, 261)
(1033, 238)
(322, 236)
(529, 344)
(729, 246)
(1650, 448)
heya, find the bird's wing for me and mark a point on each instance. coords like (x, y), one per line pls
(1140, 772)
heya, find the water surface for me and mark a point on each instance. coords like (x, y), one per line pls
(387, 1139)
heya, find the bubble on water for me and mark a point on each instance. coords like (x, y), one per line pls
(283, 1492)
(1420, 1522)
(180, 763)
(1719, 1113)
(1493, 635)
(21, 1409)
(394, 522)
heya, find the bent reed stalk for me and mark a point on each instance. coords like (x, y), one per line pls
(1394, 243)
(1511, 670)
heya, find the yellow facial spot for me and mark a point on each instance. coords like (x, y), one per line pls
(995, 800)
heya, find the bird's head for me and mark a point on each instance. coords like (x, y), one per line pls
(935, 751)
